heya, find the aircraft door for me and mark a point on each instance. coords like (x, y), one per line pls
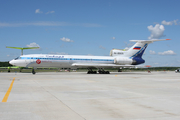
(26, 61)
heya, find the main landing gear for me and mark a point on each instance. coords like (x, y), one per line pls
(33, 71)
(119, 70)
(101, 71)
(90, 71)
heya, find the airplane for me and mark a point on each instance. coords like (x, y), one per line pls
(117, 59)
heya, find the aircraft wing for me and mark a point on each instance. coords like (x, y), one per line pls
(91, 65)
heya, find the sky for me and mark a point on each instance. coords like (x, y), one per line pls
(90, 27)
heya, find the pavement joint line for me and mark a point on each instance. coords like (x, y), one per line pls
(59, 100)
(8, 92)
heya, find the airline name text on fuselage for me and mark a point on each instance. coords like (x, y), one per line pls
(54, 56)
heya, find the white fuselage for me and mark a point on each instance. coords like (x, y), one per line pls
(60, 61)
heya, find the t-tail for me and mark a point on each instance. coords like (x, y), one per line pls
(135, 52)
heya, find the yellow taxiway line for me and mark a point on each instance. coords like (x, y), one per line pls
(8, 92)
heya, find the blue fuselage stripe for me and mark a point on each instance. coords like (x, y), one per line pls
(74, 59)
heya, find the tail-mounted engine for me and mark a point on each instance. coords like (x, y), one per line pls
(128, 61)
(123, 61)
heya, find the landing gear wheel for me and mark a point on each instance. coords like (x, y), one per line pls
(33, 71)
(103, 72)
(119, 70)
(92, 72)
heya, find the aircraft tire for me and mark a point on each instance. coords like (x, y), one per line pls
(107, 72)
(33, 72)
(104, 72)
(91, 72)
(119, 70)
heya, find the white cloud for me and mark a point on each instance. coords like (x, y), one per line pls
(33, 45)
(169, 52)
(90, 55)
(156, 31)
(47, 23)
(38, 11)
(167, 23)
(175, 22)
(126, 48)
(40, 23)
(101, 47)
(88, 25)
(170, 22)
(113, 38)
(152, 52)
(128, 44)
(50, 12)
(58, 53)
(66, 39)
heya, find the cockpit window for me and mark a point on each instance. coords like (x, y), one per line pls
(16, 58)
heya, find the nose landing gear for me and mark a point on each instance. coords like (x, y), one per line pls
(33, 71)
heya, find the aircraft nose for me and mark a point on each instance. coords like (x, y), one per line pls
(11, 62)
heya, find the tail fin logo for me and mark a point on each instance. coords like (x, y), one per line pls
(140, 52)
(136, 48)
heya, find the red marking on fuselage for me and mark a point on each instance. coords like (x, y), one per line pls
(38, 61)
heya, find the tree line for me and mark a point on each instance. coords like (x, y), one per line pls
(5, 64)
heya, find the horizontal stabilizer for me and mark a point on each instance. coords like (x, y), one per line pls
(149, 41)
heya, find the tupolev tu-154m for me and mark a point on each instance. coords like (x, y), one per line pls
(117, 59)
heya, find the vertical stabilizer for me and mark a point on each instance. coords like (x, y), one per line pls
(138, 49)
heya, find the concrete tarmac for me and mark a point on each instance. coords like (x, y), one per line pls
(81, 96)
